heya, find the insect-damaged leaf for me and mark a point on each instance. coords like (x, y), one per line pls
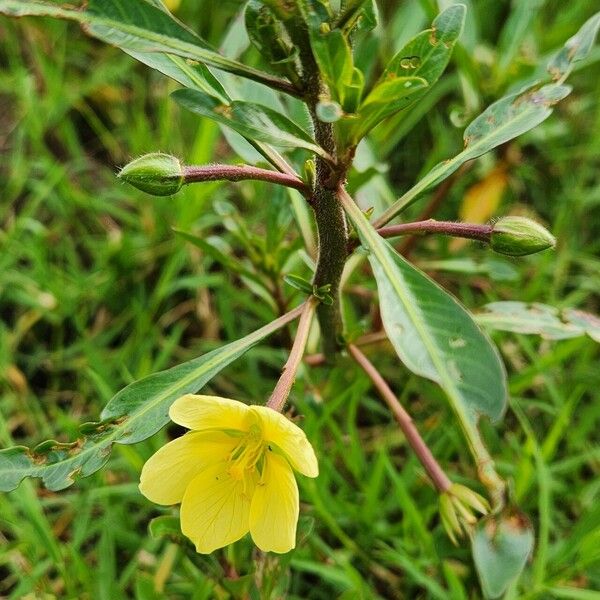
(575, 49)
(540, 319)
(132, 415)
(504, 120)
(409, 75)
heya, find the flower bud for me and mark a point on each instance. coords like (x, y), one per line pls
(519, 236)
(157, 174)
(458, 505)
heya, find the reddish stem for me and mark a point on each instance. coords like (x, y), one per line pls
(471, 231)
(286, 381)
(193, 174)
(413, 437)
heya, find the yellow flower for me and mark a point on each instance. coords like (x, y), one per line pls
(232, 473)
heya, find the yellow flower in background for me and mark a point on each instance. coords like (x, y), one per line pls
(233, 473)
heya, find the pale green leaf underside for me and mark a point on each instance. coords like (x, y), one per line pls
(253, 121)
(539, 319)
(434, 336)
(139, 27)
(576, 48)
(501, 546)
(133, 414)
(504, 120)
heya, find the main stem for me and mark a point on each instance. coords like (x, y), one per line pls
(332, 227)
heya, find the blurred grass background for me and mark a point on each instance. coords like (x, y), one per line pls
(96, 291)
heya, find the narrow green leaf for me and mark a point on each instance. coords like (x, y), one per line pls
(428, 53)
(189, 74)
(334, 57)
(504, 120)
(267, 34)
(501, 546)
(253, 121)
(132, 415)
(434, 336)
(415, 68)
(358, 16)
(138, 26)
(540, 319)
(575, 49)
(386, 99)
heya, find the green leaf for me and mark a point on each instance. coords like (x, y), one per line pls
(501, 546)
(540, 319)
(358, 16)
(267, 34)
(253, 121)
(386, 99)
(418, 64)
(428, 53)
(334, 57)
(434, 336)
(132, 415)
(504, 120)
(138, 26)
(575, 49)
(333, 54)
(191, 75)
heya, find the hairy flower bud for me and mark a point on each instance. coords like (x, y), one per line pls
(157, 174)
(519, 236)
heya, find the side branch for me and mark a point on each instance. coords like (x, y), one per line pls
(286, 381)
(413, 437)
(194, 174)
(471, 231)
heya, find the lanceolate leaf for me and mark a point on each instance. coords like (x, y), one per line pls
(428, 53)
(541, 319)
(195, 76)
(132, 415)
(138, 26)
(576, 48)
(423, 59)
(434, 336)
(386, 99)
(504, 120)
(253, 121)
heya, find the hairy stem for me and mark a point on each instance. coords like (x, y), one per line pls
(471, 231)
(434, 470)
(333, 249)
(332, 229)
(284, 385)
(194, 174)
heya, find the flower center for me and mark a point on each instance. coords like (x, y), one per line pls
(246, 454)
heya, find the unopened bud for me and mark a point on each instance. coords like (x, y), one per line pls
(157, 174)
(519, 236)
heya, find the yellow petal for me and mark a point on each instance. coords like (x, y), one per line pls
(215, 510)
(280, 431)
(210, 412)
(168, 472)
(275, 507)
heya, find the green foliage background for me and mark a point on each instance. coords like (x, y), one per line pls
(96, 290)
